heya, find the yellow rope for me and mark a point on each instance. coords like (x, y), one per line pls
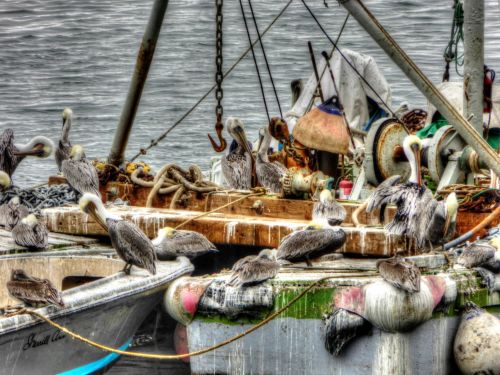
(218, 208)
(171, 356)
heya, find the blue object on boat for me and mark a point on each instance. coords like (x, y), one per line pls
(331, 106)
(375, 114)
(97, 365)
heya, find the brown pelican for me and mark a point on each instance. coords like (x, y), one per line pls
(32, 290)
(5, 181)
(80, 174)
(30, 233)
(401, 273)
(254, 269)
(328, 209)
(172, 243)
(477, 343)
(63, 150)
(237, 165)
(11, 155)
(14, 212)
(268, 173)
(130, 243)
(313, 240)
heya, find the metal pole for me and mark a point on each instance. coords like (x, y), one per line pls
(474, 62)
(142, 64)
(357, 9)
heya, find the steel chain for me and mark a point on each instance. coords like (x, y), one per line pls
(219, 75)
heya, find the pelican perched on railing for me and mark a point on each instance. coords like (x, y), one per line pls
(31, 233)
(172, 243)
(32, 290)
(313, 240)
(416, 209)
(130, 243)
(237, 165)
(63, 150)
(80, 174)
(12, 154)
(254, 269)
(268, 173)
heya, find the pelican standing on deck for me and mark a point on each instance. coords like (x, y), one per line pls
(172, 243)
(31, 233)
(400, 272)
(130, 243)
(268, 173)
(12, 154)
(80, 174)
(328, 209)
(63, 150)
(254, 269)
(32, 290)
(313, 240)
(237, 165)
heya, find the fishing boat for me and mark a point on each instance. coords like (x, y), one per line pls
(101, 303)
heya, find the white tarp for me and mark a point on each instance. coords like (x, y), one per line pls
(352, 89)
(454, 93)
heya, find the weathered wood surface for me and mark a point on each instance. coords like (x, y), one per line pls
(219, 228)
(56, 241)
(294, 209)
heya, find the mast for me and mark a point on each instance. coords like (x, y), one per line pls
(467, 131)
(142, 64)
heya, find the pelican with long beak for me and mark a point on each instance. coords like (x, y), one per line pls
(12, 154)
(411, 198)
(31, 233)
(311, 241)
(63, 150)
(32, 290)
(268, 173)
(254, 269)
(237, 165)
(80, 174)
(172, 243)
(130, 243)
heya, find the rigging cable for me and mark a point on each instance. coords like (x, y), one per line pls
(265, 57)
(255, 61)
(348, 62)
(155, 142)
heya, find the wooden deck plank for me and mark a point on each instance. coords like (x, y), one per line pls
(219, 228)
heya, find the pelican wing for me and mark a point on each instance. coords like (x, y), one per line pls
(476, 255)
(34, 291)
(403, 275)
(237, 170)
(63, 152)
(8, 161)
(302, 243)
(28, 236)
(270, 174)
(132, 245)
(81, 176)
(384, 193)
(254, 270)
(191, 244)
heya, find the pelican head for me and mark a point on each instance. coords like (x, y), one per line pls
(326, 196)
(236, 129)
(166, 232)
(30, 220)
(412, 146)
(268, 254)
(19, 275)
(4, 180)
(91, 204)
(451, 205)
(15, 200)
(39, 146)
(76, 152)
(67, 115)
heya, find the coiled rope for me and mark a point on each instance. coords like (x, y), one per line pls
(109, 349)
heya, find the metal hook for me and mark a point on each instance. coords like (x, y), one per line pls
(218, 129)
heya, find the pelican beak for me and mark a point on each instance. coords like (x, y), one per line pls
(261, 139)
(416, 151)
(243, 140)
(37, 150)
(91, 209)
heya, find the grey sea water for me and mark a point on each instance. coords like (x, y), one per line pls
(81, 54)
